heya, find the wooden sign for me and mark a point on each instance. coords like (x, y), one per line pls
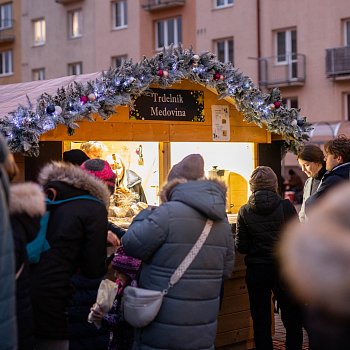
(177, 105)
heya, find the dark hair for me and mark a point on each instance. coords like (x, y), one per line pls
(312, 153)
(340, 146)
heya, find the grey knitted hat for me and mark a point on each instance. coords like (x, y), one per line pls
(190, 168)
(263, 178)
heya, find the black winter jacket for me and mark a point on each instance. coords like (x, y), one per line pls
(259, 224)
(331, 178)
(27, 205)
(77, 234)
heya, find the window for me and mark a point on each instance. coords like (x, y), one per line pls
(75, 68)
(118, 60)
(38, 74)
(223, 3)
(6, 63)
(286, 45)
(5, 16)
(75, 24)
(347, 106)
(39, 28)
(168, 31)
(347, 32)
(120, 14)
(224, 50)
(291, 102)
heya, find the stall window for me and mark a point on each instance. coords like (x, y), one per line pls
(75, 68)
(120, 14)
(75, 23)
(6, 62)
(39, 29)
(5, 16)
(291, 102)
(347, 32)
(118, 60)
(222, 3)
(168, 31)
(38, 74)
(224, 50)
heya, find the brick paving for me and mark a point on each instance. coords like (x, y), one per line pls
(280, 335)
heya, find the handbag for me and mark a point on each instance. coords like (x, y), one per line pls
(141, 306)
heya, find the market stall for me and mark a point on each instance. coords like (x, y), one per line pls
(153, 113)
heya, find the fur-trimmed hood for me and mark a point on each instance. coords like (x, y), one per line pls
(315, 255)
(206, 196)
(76, 177)
(27, 198)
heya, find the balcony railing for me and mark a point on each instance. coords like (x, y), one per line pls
(66, 2)
(285, 70)
(338, 62)
(155, 5)
(7, 30)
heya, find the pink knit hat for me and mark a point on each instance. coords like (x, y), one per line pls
(102, 170)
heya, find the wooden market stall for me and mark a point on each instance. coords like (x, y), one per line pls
(170, 108)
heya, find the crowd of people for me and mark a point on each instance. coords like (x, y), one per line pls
(299, 259)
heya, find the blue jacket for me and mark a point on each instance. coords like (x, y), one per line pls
(161, 239)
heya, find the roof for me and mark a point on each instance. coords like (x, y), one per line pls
(27, 110)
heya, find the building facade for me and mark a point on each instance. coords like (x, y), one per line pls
(301, 47)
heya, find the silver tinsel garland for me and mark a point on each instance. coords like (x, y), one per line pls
(119, 86)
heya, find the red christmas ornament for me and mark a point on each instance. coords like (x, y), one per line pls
(277, 104)
(160, 73)
(217, 76)
(83, 99)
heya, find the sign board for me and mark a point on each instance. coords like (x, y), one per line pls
(169, 104)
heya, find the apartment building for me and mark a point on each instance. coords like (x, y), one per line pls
(303, 47)
(10, 42)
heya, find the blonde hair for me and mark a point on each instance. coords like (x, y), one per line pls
(93, 147)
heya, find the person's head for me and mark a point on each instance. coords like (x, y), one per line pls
(263, 178)
(337, 151)
(311, 160)
(75, 156)
(93, 149)
(125, 264)
(100, 169)
(315, 255)
(189, 168)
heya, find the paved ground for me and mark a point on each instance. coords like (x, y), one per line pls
(280, 335)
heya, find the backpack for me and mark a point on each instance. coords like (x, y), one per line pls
(40, 244)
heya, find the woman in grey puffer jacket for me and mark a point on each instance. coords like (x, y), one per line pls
(161, 238)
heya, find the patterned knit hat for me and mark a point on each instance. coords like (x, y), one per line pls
(190, 168)
(125, 264)
(101, 169)
(75, 156)
(263, 178)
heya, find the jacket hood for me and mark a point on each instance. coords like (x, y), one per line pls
(264, 201)
(74, 176)
(27, 198)
(206, 196)
(341, 170)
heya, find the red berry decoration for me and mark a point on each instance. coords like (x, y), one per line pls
(217, 76)
(160, 73)
(84, 99)
(277, 104)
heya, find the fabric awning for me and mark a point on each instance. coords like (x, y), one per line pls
(325, 131)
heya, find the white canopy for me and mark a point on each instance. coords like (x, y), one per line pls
(325, 131)
(13, 95)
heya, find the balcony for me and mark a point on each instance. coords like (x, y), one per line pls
(338, 63)
(66, 2)
(7, 30)
(280, 71)
(156, 5)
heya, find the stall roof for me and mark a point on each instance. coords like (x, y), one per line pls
(69, 100)
(322, 132)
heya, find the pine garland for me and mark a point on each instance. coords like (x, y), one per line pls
(119, 86)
